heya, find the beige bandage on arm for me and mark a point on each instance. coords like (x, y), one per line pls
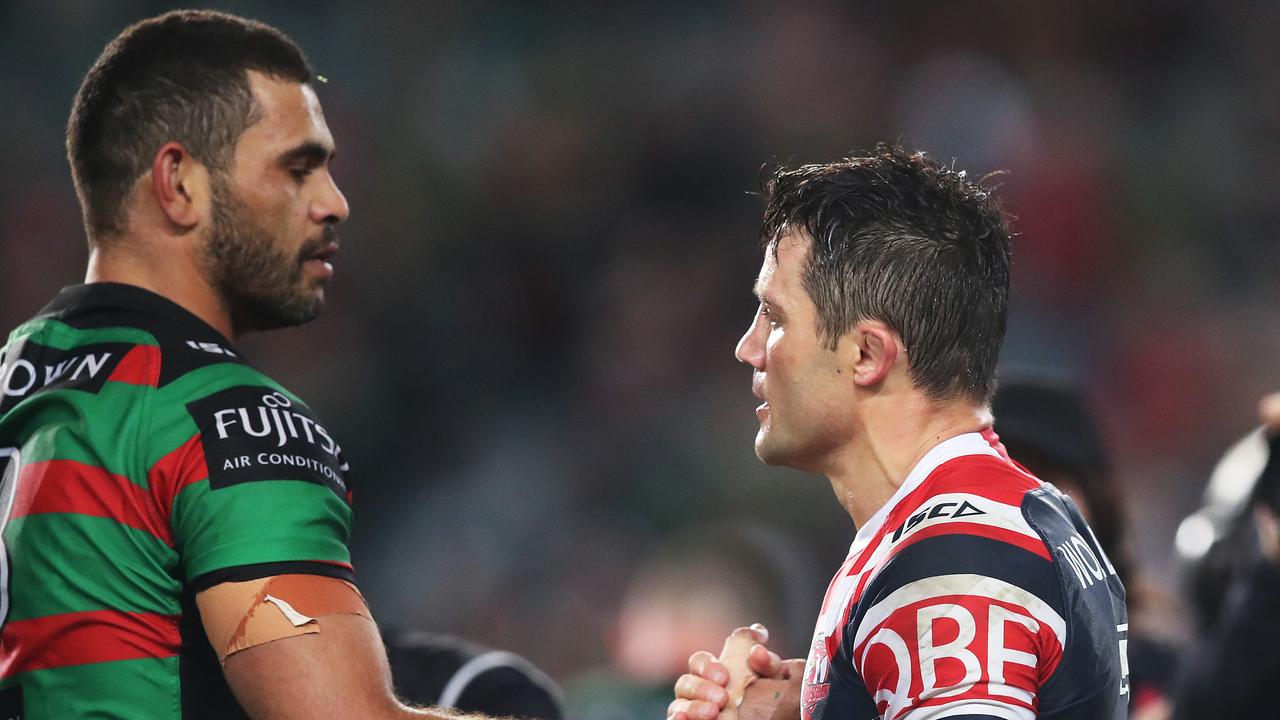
(240, 615)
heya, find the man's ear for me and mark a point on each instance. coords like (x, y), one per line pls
(874, 350)
(180, 186)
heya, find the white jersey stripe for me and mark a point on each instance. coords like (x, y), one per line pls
(996, 514)
(958, 446)
(993, 514)
(961, 584)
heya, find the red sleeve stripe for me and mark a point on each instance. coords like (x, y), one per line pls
(183, 466)
(69, 486)
(80, 638)
(140, 366)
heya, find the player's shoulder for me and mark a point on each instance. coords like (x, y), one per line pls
(966, 541)
(984, 556)
(965, 529)
(129, 335)
(87, 337)
(985, 494)
(992, 476)
(967, 497)
(156, 341)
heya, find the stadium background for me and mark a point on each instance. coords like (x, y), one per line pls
(528, 353)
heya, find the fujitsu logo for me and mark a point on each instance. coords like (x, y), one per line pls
(274, 418)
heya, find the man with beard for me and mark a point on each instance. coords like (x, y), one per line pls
(972, 589)
(175, 523)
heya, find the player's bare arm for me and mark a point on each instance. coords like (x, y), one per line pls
(295, 647)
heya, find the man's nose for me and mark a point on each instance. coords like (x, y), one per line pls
(750, 349)
(331, 207)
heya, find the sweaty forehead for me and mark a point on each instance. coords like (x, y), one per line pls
(765, 279)
(288, 114)
(314, 113)
(783, 263)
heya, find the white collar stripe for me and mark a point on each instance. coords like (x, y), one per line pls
(958, 446)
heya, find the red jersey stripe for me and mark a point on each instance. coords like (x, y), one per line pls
(80, 638)
(962, 474)
(183, 466)
(69, 486)
(140, 366)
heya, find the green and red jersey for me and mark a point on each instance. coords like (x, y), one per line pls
(143, 460)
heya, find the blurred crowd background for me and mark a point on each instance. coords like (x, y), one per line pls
(528, 349)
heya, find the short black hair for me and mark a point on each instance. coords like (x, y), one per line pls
(901, 238)
(182, 77)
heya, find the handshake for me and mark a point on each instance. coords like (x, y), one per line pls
(747, 682)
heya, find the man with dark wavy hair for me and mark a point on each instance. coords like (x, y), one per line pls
(972, 589)
(175, 523)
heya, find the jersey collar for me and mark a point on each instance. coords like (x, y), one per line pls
(120, 296)
(959, 446)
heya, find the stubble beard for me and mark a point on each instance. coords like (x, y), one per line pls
(797, 449)
(261, 287)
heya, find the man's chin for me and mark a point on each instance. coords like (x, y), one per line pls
(766, 450)
(774, 452)
(258, 316)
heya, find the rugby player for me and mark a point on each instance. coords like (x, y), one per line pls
(972, 589)
(175, 523)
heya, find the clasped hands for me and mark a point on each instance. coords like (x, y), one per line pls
(747, 682)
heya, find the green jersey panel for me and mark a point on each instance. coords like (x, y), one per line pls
(141, 461)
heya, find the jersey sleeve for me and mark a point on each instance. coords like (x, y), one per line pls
(959, 626)
(258, 488)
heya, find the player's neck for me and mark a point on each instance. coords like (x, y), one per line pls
(892, 442)
(177, 277)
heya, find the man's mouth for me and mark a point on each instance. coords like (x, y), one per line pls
(320, 259)
(758, 391)
(325, 253)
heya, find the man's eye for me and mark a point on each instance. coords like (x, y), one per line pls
(769, 316)
(300, 173)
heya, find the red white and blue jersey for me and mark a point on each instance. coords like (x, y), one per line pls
(977, 592)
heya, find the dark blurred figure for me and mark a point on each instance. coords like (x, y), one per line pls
(1233, 545)
(1048, 428)
(443, 671)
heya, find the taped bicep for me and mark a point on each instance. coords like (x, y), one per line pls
(241, 615)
